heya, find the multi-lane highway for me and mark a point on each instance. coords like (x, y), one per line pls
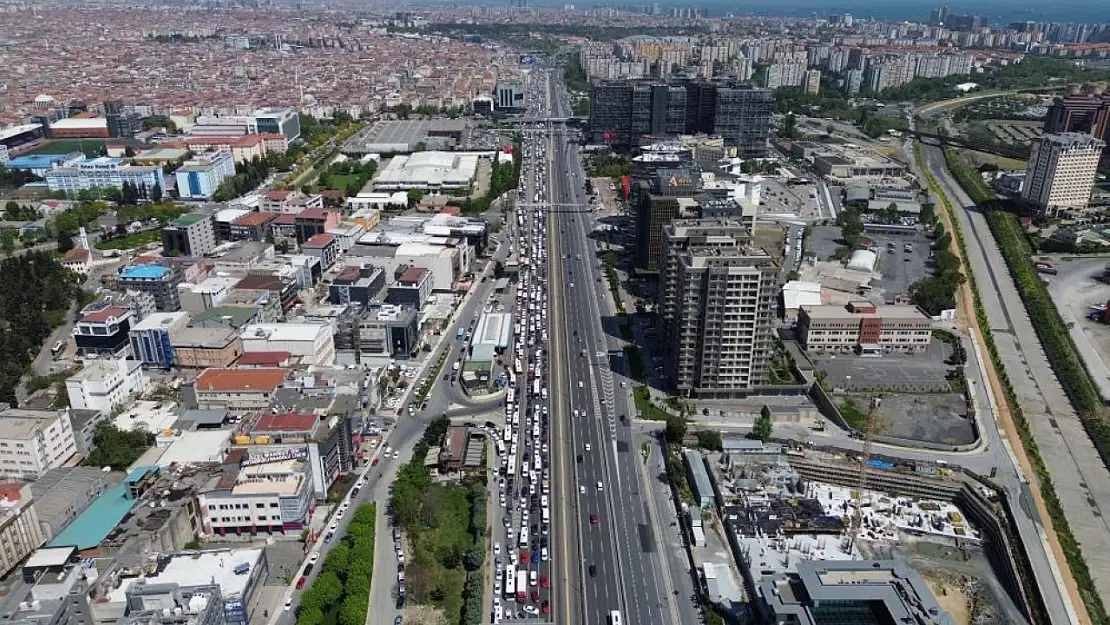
(620, 564)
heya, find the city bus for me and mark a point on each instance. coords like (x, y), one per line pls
(510, 580)
(521, 585)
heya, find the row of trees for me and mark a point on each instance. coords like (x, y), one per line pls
(247, 177)
(341, 592)
(938, 291)
(35, 295)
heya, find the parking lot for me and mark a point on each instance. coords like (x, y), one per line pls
(919, 373)
(895, 268)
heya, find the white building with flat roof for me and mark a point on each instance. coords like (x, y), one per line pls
(1061, 172)
(310, 343)
(275, 497)
(429, 171)
(105, 384)
(34, 441)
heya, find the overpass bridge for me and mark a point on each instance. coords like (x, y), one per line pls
(1007, 151)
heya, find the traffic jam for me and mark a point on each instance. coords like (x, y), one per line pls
(523, 560)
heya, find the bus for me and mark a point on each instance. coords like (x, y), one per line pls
(614, 617)
(510, 580)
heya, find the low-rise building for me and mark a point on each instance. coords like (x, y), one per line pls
(20, 533)
(311, 343)
(63, 493)
(356, 284)
(33, 441)
(272, 496)
(251, 227)
(323, 246)
(161, 282)
(202, 348)
(288, 201)
(864, 328)
(104, 385)
(237, 389)
(389, 331)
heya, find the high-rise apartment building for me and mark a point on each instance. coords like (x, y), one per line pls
(622, 112)
(1087, 114)
(1061, 172)
(717, 302)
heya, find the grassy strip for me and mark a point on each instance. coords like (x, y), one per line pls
(644, 406)
(1068, 543)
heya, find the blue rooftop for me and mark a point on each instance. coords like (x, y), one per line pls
(92, 526)
(144, 272)
(36, 161)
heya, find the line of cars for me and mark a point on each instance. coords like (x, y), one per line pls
(521, 580)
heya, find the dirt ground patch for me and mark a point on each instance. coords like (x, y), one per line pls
(424, 615)
(952, 600)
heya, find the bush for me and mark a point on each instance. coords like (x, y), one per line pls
(710, 439)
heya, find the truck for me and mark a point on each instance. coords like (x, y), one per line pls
(521, 585)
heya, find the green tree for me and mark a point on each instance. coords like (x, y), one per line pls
(851, 227)
(11, 211)
(156, 193)
(710, 439)
(676, 429)
(415, 196)
(117, 448)
(7, 241)
(761, 429)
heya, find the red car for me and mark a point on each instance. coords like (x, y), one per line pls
(524, 556)
(543, 580)
(301, 582)
(593, 519)
(535, 596)
(375, 463)
(546, 607)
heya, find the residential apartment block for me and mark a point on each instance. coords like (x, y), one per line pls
(20, 532)
(238, 389)
(33, 441)
(864, 328)
(104, 385)
(717, 302)
(199, 178)
(1061, 172)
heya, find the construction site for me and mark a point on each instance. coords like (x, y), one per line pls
(782, 508)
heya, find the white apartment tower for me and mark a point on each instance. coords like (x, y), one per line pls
(1061, 172)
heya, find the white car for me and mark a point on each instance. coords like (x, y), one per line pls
(588, 448)
(496, 549)
(288, 604)
(599, 486)
(396, 455)
(543, 554)
(334, 526)
(314, 558)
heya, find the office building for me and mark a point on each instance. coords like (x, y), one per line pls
(509, 95)
(323, 246)
(412, 286)
(623, 112)
(189, 235)
(161, 282)
(717, 302)
(1080, 113)
(1061, 172)
(20, 532)
(864, 328)
(152, 338)
(268, 496)
(278, 121)
(200, 177)
(269, 121)
(357, 285)
(106, 172)
(123, 121)
(33, 441)
(389, 331)
(202, 348)
(860, 592)
(105, 385)
(102, 331)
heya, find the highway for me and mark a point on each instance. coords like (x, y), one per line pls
(617, 539)
(1081, 479)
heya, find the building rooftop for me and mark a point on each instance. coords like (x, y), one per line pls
(144, 272)
(263, 359)
(159, 320)
(288, 422)
(833, 312)
(19, 424)
(199, 568)
(241, 379)
(236, 316)
(189, 219)
(103, 514)
(319, 240)
(204, 338)
(284, 331)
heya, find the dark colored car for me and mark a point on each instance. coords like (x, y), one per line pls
(593, 519)
(593, 570)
